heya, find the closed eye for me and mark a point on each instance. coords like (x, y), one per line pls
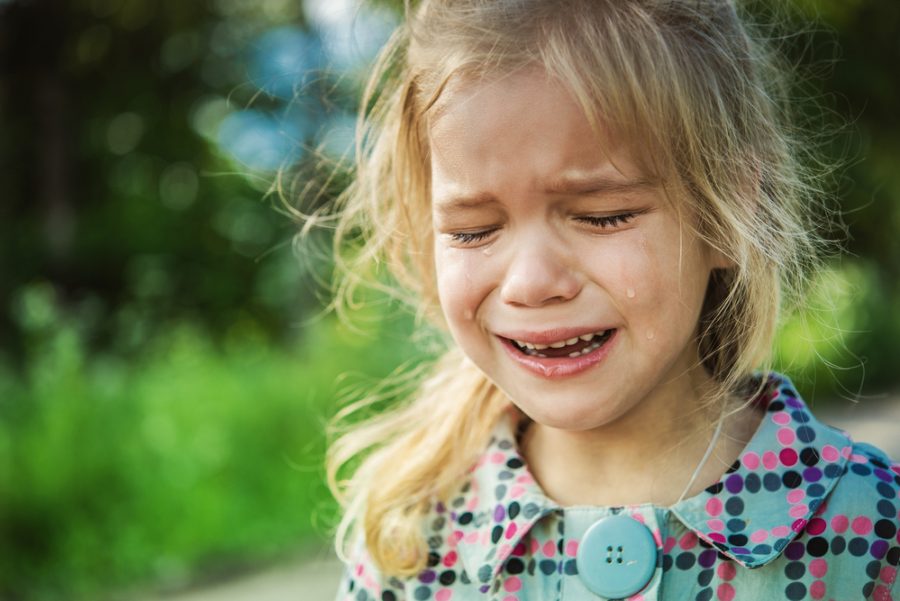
(606, 221)
(469, 238)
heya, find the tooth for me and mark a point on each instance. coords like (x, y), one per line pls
(571, 341)
(586, 350)
(542, 355)
(575, 354)
(586, 337)
(540, 347)
(559, 344)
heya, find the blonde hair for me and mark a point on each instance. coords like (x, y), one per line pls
(683, 77)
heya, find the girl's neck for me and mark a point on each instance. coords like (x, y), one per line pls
(646, 456)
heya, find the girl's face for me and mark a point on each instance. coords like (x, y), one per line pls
(547, 236)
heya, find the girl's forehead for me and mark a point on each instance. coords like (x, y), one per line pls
(483, 115)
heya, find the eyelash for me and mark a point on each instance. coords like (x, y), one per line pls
(470, 237)
(600, 221)
(606, 221)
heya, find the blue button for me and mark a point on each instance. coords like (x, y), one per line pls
(616, 557)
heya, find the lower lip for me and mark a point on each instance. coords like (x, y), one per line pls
(553, 368)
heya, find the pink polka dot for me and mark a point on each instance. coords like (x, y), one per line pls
(751, 460)
(725, 592)
(857, 458)
(549, 549)
(818, 567)
(788, 457)
(796, 495)
(512, 584)
(786, 436)
(799, 525)
(638, 597)
(830, 453)
(798, 511)
(498, 457)
(717, 537)
(839, 523)
(817, 589)
(472, 537)
(770, 460)
(861, 525)
(510, 598)
(759, 536)
(445, 594)
(781, 418)
(519, 549)
(669, 544)
(449, 559)
(638, 517)
(454, 538)
(714, 506)
(726, 570)
(816, 526)
(888, 574)
(534, 545)
(845, 452)
(716, 525)
(881, 593)
(688, 541)
(511, 530)
(781, 531)
(572, 548)
(516, 491)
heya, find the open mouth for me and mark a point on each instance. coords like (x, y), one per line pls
(571, 347)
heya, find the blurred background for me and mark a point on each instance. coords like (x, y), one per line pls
(166, 366)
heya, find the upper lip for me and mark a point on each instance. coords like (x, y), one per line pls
(551, 335)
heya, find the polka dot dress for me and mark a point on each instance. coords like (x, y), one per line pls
(805, 513)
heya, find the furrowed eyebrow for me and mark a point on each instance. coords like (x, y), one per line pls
(599, 185)
(457, 204)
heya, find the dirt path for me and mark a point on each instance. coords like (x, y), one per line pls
(315, 578)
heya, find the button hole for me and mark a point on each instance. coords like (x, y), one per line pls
(609, 560)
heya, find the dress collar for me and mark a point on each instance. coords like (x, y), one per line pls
(765, 500)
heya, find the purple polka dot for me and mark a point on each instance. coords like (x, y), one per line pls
(794, 551)
(812, 474)
(499, 513)
(883, 475)
(439, 507)
(734, 483)
(707, 558)
(740, 550)
(484, 588)
(427, 577)
(792, 402)
(879, 549)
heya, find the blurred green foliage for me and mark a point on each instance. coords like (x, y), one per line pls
(188, 461)
(165, 371)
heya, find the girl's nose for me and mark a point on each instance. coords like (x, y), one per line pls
(537, 276)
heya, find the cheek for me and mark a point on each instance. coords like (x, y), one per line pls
(459, 289)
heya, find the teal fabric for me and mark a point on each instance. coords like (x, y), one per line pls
(805, 513)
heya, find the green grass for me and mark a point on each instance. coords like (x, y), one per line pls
(180, 463)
